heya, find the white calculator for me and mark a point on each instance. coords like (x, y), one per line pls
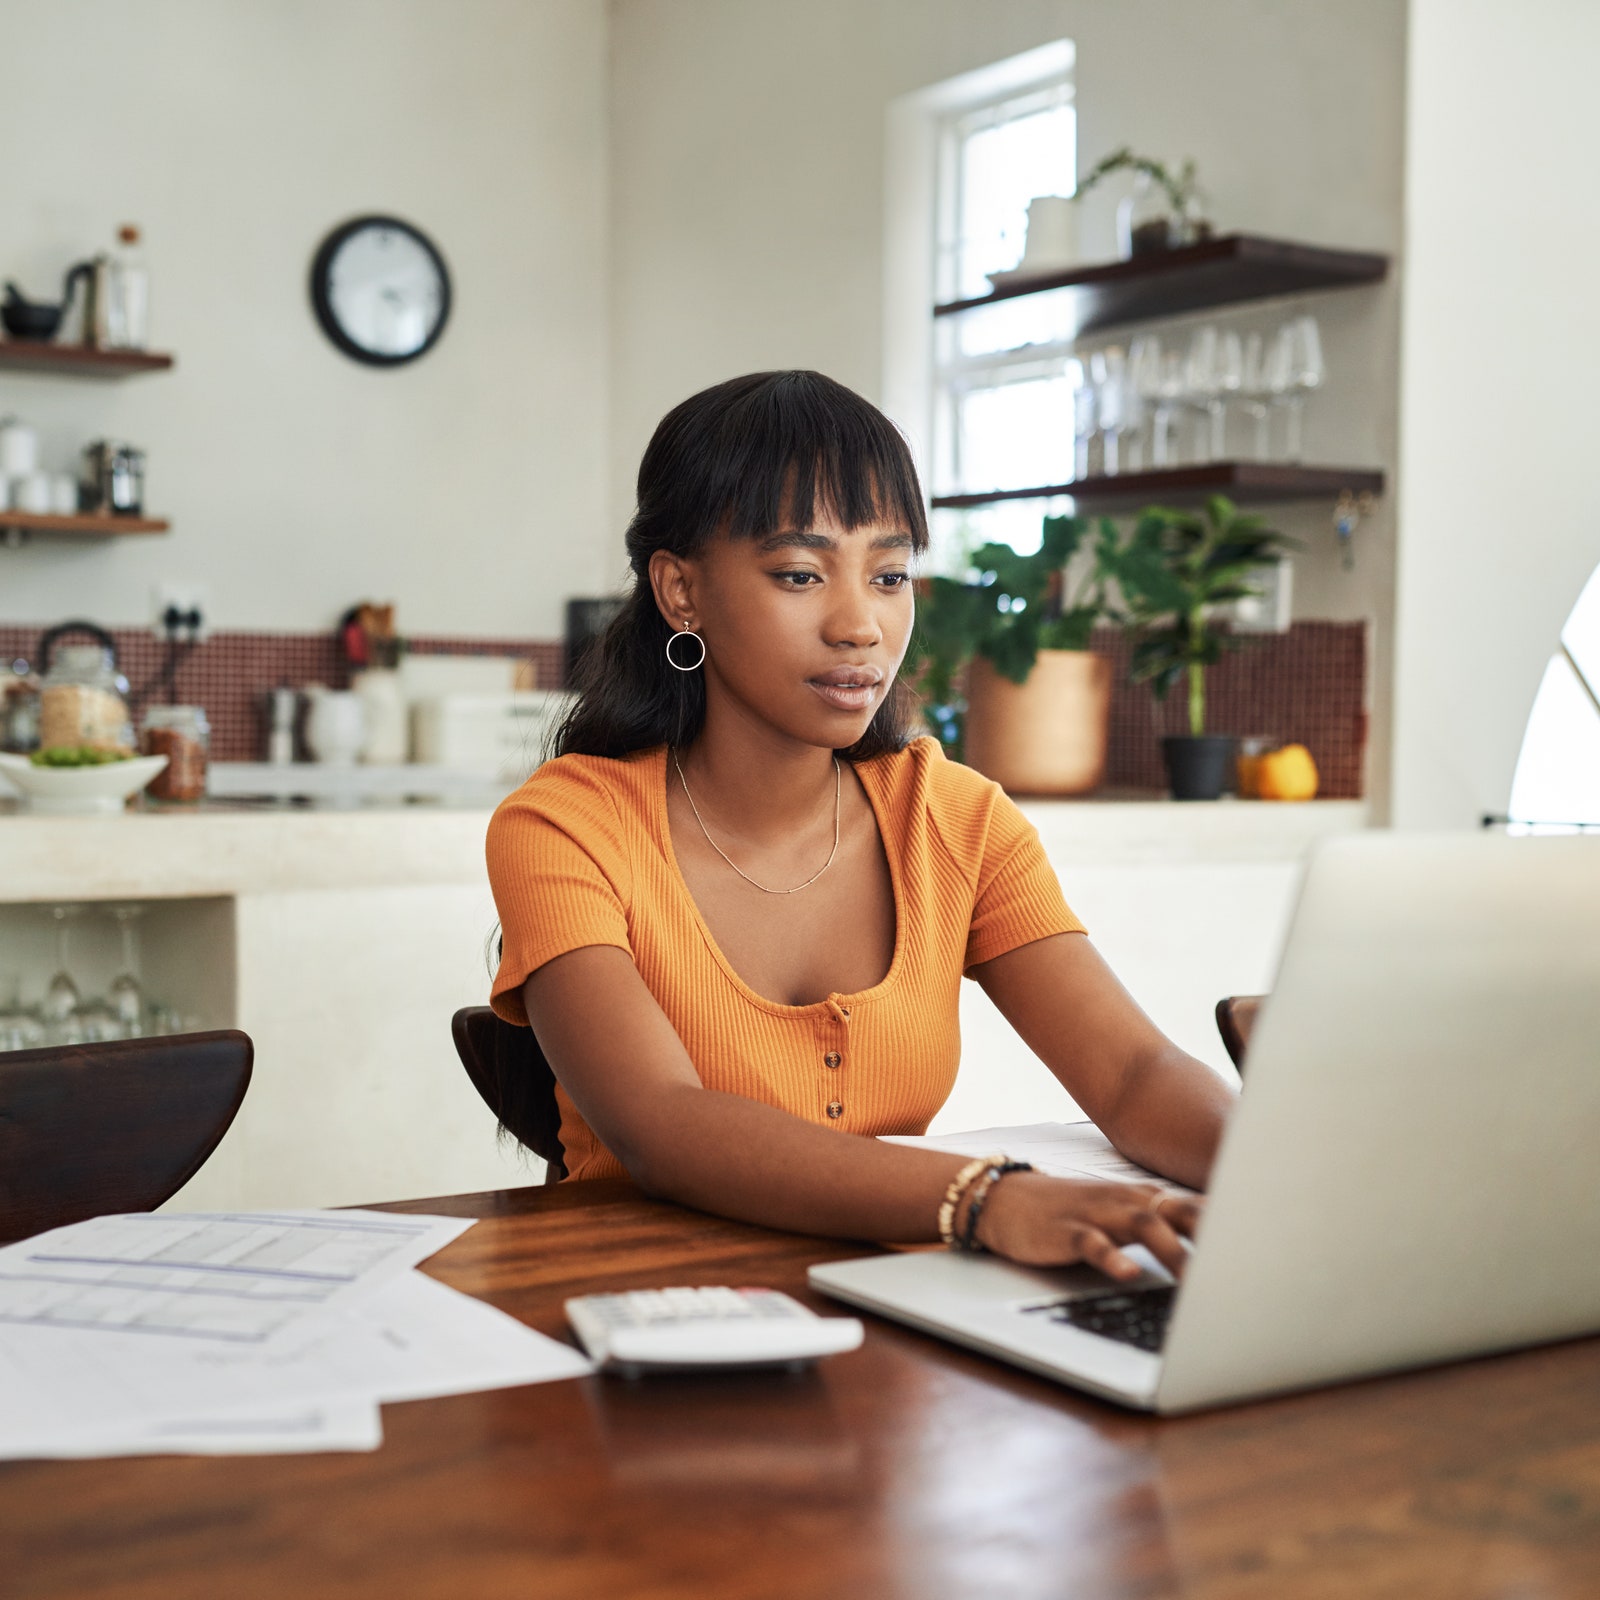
(686, 1330)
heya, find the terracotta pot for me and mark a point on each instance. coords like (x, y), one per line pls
(1045, 736)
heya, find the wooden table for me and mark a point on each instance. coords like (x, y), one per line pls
(909, 1468)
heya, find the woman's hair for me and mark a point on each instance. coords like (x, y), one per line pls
(746, 458)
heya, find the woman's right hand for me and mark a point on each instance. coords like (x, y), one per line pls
(1042, 1221)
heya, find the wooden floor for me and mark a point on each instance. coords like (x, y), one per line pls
(907, 1469)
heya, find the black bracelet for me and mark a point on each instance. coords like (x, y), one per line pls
(969, 1233)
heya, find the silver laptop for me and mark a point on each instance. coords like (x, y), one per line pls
(1412, 1174)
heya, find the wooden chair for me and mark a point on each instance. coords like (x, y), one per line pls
(509, 1071)
(90, 1129)
(1236, 1016)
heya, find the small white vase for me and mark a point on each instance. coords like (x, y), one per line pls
(384, 706)
(336, 726)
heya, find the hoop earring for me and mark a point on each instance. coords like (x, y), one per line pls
(688, 633)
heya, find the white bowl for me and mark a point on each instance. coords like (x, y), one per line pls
(79, 791)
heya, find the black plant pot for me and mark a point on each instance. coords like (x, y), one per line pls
(1198, 769)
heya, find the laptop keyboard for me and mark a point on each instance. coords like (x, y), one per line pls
(1137, 1317)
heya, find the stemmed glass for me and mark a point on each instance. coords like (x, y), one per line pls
(126, 994)
(19, 1028)
(1230, 380)
(1169, 388)
(1255, 393)
(1144, 402)
(1280, 376)
(1200, 386)
(1109, 368)
(1084, 419)
(62, 1002)
(1306, 371)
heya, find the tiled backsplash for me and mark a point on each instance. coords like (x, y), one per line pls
(1306, 685)
(228, 672)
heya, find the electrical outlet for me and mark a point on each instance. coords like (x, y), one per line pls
(1268, 611)
(189, 603)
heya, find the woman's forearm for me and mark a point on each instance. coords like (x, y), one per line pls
(738, 1158)
(1169, 1115)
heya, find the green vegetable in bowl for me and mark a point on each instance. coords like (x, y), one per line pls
(77, 755)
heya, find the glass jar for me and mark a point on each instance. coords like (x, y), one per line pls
(83, 701)
(183, 735)
(1146, 222)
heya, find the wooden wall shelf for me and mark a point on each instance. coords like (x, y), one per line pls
(78, 361)
(95, 525)
(1247, 482)
(1231, 270)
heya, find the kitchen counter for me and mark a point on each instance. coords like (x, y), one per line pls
(223, 849)
(342, 941)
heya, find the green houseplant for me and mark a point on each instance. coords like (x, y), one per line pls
(1174, 571)
(1003, 663)
(1165, 209)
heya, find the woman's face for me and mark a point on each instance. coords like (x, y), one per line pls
(804, 630)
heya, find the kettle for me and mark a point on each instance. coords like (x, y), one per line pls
(23, 318)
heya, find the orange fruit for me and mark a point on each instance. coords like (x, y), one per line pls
(1287, 774)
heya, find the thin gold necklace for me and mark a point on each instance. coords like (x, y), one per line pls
(838, 789)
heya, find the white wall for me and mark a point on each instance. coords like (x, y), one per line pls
(748, 200)
(1500, 407)
(469, 486)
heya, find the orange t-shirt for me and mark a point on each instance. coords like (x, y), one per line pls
(582, 855)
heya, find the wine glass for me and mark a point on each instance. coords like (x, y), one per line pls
(1164, 447)
(20, 1029)
(1255, 393)
(1200, 387)
(1143, 400)
(1110, 370)
(1280, 378)
(1306, 373)
(1085, 408)
(61, 1003)
(126, 994)
(1230, 380)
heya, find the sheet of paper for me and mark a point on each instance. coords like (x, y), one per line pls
(1064, 1149)
(350, 1425)
(240, 1278)
(411, 1338)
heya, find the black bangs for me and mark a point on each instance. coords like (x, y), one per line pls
(768, 451)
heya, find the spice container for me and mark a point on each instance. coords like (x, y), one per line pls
(183, 735)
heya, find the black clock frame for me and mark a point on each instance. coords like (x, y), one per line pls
(322, 303)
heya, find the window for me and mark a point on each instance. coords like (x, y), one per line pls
(1557, 779)
(1003, 378)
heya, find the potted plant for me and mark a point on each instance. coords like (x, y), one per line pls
(1003, 663)
(1165, 209)
(1174, 572)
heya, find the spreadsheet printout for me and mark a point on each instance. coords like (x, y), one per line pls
(239, 1277)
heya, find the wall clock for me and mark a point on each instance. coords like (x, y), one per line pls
(381, 290)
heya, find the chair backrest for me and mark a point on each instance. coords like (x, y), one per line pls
(86, 1130)
(509, 1071)
(1236, 1016)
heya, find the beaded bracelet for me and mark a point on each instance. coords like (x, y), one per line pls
(952, 1196)
(994, 1173)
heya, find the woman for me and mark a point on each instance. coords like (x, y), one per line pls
(737, 907)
